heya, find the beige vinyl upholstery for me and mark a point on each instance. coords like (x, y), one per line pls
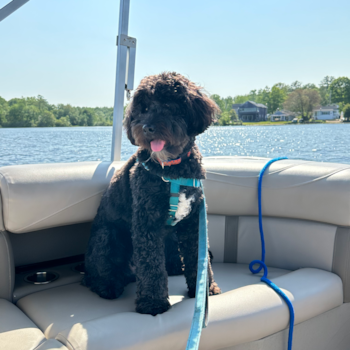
(313, 241)
(2, 227)
(51, 344)
(235, 316)
(7, 269)
(291, 189)
(17, 331)
(311, 188)
(306, 207)
(329, 331)
(76, 188)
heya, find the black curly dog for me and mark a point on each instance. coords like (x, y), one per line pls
(129, 235)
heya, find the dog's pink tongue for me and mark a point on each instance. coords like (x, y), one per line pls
(157, 145)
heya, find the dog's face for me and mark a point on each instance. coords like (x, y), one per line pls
(167, 110)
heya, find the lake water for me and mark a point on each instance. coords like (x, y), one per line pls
(325, 143)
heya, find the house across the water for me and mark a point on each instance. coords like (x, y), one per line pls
(251, 111)
(236, 106)
(282, 116)
(326, 112)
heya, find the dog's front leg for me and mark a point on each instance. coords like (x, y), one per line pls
(187, 231)
(151, 275)
(150, 211)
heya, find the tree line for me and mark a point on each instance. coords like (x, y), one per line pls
(296, 97)
(36, 111)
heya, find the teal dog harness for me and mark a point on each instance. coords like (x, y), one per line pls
(174, 195)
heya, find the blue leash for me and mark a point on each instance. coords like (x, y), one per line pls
(262, 261)
(200, 317)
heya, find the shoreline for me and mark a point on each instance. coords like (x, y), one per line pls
(321, 122)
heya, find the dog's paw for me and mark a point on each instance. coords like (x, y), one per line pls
(214, 289)
(152, 306)
(192, 292)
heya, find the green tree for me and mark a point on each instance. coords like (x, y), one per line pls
(3, 111)
(296, 85)
(264, 96)
(253, 96)
(225, 119)
(234, 115)
(346, 111)
(326, 81)
(276, 98)
(73, 113)
(227, 114)
(47, 119)
(90, 116)
(15, 101)
(324, 90)
(241, 98)
(219, 101)
(21, 115)
(340, 89)
(42, 104)
(303, 101)
(310, 86)
(62, 122)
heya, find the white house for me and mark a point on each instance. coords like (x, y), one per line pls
(284, 116)
(326, 112)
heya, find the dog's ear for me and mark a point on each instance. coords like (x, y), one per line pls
(127, 124)
(202, 114)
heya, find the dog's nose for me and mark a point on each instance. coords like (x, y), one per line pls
(148, 129)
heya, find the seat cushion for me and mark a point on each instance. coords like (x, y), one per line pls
(17, 331)
(247, 310)
(51, 344)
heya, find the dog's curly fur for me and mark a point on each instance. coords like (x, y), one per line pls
(129, 235)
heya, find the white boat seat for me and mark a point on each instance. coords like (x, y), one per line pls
(45, 211)
(246, 311)
(18, 332)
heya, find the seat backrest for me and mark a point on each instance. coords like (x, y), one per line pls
(305, 206)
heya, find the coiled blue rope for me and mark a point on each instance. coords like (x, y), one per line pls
(261, 262)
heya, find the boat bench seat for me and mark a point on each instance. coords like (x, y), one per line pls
(18, 332)
(247, 310)
(46, 211)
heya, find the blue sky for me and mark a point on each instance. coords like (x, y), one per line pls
(65, 49)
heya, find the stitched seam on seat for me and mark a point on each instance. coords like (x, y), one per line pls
(257, 175)
(60, 335)
(279, 188)
(57, 212)
(41, 343)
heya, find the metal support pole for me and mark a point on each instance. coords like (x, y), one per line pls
(10, 8)
(118, 111)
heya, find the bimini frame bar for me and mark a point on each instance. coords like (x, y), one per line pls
(126, 54)
(10, 8)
